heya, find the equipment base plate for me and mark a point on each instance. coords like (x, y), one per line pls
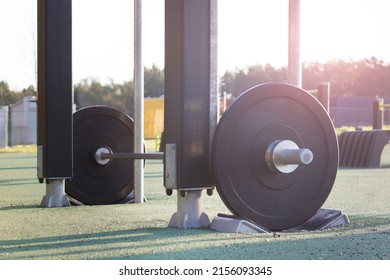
(323, 219)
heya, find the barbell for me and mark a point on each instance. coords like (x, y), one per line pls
(107, 181)
(283, 156)
(274, 156)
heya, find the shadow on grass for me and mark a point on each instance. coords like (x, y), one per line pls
(368, 222)
(19, 207)
(154, 161)
(190, 244)
(18, 168)
(17, 156)
(346, 168)
(75, 246)
(19, 182)
(153, 175)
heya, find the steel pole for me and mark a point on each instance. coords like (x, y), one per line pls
(294, 52)
(377, 116)
(323, 94)
(214, 95)
(138, 103)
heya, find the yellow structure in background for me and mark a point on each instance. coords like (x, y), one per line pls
(153, 117)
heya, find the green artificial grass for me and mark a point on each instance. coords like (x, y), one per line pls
(140, 231)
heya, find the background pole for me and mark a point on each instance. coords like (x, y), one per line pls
(294, 52)
(138, 103)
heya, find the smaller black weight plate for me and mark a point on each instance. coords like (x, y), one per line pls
(260, 116)
(95, 127)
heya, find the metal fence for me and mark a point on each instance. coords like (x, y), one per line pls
(24, 122)
(18, 123)
(354, 111)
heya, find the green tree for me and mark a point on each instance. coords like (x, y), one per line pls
(90, 92)
(7, 96)
(30, 91)
(367, 77)
(154, 82)
(239, 81)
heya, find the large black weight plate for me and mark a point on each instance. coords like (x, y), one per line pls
(94, 184)
(249, 189)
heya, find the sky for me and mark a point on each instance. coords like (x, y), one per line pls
(249, 32)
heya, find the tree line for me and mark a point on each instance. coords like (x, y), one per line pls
(8, 96)
(367, 77)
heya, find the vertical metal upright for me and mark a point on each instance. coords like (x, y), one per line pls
(55, 99)
(213, 61)
(377, 113)
(190, 104)
(138, 104)
(323, 94)
(294, 45)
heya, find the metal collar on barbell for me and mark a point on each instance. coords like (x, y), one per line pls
(285, 156)
(99, 154)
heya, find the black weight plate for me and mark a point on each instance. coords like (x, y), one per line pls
(94, 184)
(249, 189)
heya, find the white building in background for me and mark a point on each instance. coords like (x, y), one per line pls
(24, 121)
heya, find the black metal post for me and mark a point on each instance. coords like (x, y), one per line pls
(55, 99)
(377, 113)
(188, 72)
(190, 105)
(323, 94)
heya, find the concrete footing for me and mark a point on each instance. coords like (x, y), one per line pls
(55, 194)
(189, 211)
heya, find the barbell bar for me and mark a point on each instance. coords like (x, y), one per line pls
(104, 155)
(281, 156)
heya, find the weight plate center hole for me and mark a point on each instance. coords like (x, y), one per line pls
(100, 155)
